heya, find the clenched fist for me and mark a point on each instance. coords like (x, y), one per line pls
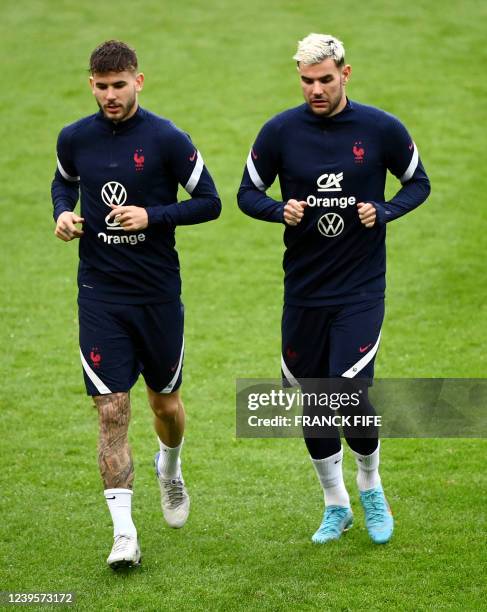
(294, 211)
(66, 226)
(367, 213)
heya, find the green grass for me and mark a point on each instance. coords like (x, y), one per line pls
(219, 70)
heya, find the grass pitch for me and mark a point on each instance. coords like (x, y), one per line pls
(219, 70)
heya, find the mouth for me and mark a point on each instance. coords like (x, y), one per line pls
(319, 102)
(112, 108)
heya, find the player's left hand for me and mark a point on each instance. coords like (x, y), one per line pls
(131, 218)
(367, 213)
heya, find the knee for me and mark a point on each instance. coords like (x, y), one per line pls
(166, 407)
(114, 410)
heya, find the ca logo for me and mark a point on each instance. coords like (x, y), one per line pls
(330, 182)
(330, 225)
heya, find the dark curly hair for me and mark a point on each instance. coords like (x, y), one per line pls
(113, 56)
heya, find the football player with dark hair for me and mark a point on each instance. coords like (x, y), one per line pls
(128, 163)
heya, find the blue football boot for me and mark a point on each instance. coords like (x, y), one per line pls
(336, 520)
(378, 515)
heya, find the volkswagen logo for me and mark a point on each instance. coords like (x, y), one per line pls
(114, 193)
(330, 225)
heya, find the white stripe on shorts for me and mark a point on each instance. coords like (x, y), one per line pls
(169, 387)
(287, 373)
(361, 363)
(99, 384)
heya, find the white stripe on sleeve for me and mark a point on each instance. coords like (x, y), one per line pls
(99, 384)
(169, 387)
(65, 175)
(413, 164)
(254, 175)
(195, 175)
(361, 363)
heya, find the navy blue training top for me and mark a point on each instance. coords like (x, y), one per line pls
(140, 162)
(333, 163)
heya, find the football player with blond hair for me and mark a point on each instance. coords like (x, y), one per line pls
(331, 155)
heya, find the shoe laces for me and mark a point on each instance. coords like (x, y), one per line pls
(121, 542)
(174, 490)
(332, 518)
(376, 506)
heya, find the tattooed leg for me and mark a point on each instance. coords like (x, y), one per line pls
(114, 455)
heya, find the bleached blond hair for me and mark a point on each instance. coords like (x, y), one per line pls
(318, 47)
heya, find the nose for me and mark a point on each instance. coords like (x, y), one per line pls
(317, 90)
(111, 93)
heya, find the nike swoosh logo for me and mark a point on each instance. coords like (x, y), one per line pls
(254, 155)
(362, 349)
(411, 146)
(111, 497)
(193, 157)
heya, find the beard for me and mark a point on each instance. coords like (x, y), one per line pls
(123, 110)
(333, 104)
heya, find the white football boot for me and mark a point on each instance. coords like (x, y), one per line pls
(125, 552)
(174, 499)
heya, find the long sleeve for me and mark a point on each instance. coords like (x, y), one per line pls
(186, 163)
(65, 185)
(260, 172)
(402, 159)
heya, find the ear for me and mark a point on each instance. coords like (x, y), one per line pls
(91, 83)
(139, 82)
(346, 73)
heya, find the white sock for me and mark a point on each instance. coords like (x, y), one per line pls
(368, 470)
(330, 474)
(120, 505)
(169, 464)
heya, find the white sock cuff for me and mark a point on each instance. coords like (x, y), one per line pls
(164, 447)
(107, 492)
(119, 502)
(327, 460)
(368, 462)
(330, 474)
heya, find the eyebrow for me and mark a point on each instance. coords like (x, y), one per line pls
(103, 84)
(323, 76)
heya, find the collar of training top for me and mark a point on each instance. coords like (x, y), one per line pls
(122, 126)
(334, 118)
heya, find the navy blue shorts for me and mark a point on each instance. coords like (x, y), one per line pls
(120, 341)
(331, 341)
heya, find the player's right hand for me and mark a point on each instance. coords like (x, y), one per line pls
(65, 227)
(294, 211)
